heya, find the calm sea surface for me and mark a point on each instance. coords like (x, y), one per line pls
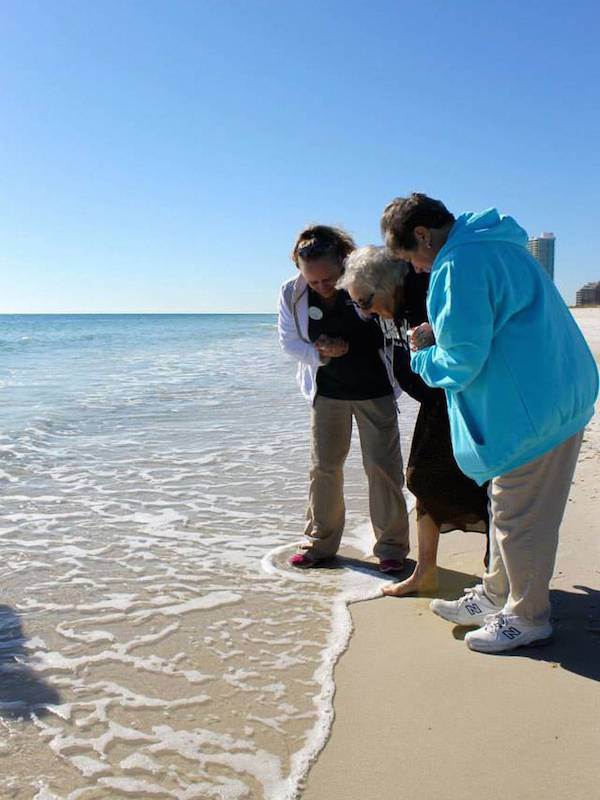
(153, 481)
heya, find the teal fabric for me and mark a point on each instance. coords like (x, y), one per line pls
(518, 374)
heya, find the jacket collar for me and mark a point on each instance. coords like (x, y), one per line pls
(300, 286)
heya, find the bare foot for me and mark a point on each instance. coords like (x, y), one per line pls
(422, 580)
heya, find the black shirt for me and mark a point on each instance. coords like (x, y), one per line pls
(360, 374)
(411, 310)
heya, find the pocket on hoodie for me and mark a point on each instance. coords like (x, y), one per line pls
(467, 452)
(496, 426)
(472, 431)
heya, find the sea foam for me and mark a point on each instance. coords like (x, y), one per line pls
(154, 479)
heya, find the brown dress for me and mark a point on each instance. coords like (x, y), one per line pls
(442, 490)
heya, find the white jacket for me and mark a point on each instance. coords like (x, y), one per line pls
(292, 328)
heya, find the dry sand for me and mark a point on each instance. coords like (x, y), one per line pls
(418, 715)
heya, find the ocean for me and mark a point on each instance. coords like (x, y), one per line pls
(153, 642)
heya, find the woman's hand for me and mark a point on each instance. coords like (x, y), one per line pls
(331, 348)
(421, 337)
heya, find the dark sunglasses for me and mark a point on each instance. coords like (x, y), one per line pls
(364, 305)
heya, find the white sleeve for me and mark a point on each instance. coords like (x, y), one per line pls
(289, 339)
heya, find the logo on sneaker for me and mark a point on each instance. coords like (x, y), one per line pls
(511, 633)
(473, 608)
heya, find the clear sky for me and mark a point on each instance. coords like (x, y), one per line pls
(160, 156)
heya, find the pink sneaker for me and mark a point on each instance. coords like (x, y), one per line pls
(301, 561)
(391, 565)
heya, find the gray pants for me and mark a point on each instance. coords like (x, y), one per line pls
(331, 429)
(526, 509)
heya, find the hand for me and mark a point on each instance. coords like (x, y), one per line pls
(331, 348)
(421, 337)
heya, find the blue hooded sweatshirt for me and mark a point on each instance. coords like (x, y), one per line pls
(518, 374)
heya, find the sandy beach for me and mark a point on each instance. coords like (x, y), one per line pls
(419, 715)
(153, 642)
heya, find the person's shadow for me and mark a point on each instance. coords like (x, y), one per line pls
(575, 615)
(451, 583)
(22, 692)
(576, 641)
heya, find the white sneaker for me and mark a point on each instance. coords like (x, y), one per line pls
(470, 609)
(503, 632)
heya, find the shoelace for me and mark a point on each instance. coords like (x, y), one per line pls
(470, 592)
(494, 622)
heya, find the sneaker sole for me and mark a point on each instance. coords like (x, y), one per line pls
(534, 643)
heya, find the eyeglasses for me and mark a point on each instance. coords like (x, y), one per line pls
(364, 305)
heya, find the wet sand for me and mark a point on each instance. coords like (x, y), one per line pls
(419, 715)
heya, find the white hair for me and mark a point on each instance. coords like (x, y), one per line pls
(373, 269)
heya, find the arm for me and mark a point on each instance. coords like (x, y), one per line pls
(290, 340)
(461, 314)
(408, 381)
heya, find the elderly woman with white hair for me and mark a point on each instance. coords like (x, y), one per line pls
(446, 499)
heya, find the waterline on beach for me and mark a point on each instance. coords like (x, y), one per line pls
(147, 465)
(355, 586)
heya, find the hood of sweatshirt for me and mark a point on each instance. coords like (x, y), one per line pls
(484, 226)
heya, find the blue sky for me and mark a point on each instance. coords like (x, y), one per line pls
(161, 156)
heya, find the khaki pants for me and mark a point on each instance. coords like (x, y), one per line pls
(526, 509)
(331, 428)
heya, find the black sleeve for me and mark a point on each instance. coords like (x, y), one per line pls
(409, 381)
(414, 309)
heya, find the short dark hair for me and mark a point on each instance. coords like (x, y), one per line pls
(404, 214)
(322, 241)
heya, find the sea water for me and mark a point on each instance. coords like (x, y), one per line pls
(153, 642)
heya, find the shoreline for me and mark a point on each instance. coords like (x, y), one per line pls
(338, 640)
(416, 712)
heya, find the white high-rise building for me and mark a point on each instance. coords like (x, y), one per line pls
(542, 248)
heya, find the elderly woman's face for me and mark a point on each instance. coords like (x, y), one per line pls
(371, 302)
(321, 274)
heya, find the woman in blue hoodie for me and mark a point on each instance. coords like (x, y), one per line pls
(521, 385)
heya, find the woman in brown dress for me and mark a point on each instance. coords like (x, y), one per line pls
(395, 294)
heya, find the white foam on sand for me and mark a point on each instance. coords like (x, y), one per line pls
(355, 586)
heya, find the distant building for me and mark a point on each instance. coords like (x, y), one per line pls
(588, 295)
(542, 248)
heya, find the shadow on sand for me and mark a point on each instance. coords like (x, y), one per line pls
(576, 642)
(21, 690)
(451, 584)
(575, 615)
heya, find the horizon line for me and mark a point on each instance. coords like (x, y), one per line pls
(133, 313)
